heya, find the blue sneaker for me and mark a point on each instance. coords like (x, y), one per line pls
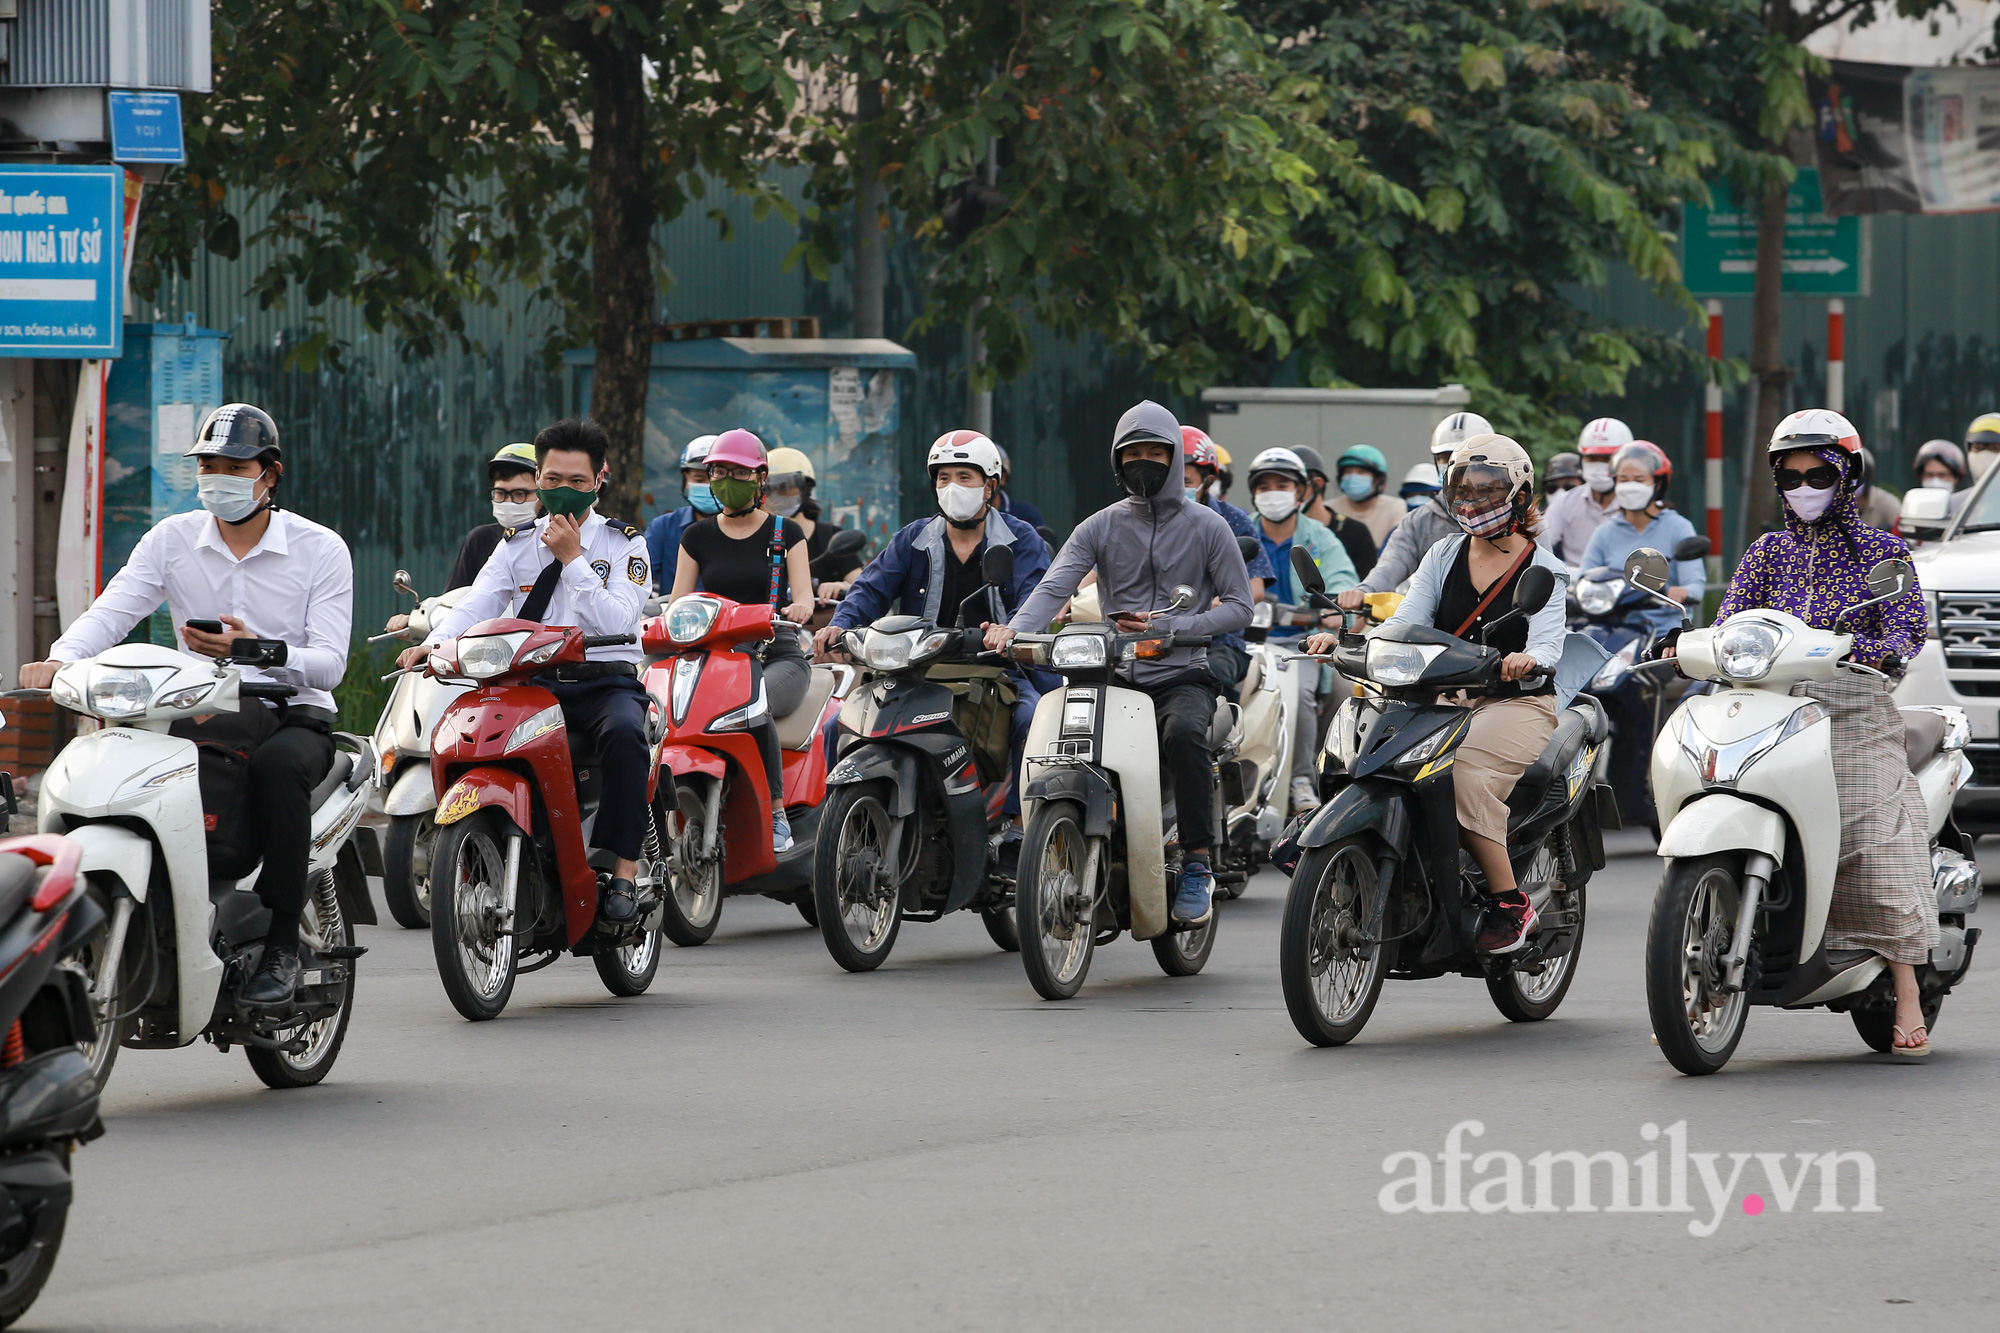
(1191, 904)
(781, 832)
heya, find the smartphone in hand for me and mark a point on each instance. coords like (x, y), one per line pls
(205, 626)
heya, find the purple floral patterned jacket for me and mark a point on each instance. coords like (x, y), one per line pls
(1816, 570)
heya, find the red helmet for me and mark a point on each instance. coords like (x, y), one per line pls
(1655, 457)
(1198, 449)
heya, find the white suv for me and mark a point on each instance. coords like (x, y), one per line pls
(1959, 569)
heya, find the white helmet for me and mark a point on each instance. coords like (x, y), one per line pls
(1279, 460)
(964, 448)
(1603, 437)
(1491, 451)
(1816, 427)
(1423, 474)
(1456, 429)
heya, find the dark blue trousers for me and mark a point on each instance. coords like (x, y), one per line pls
(611, 711)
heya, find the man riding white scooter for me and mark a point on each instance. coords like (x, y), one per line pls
(1141, 548)
(245, 569)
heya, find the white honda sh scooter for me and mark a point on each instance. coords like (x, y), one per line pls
(1743, 781)
(180, 946)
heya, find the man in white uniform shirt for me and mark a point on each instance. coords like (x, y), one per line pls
(266, 573)
(575, 567)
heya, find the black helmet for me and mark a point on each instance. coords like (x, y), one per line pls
(237, 430)
(1315, 465)
(1563, 465)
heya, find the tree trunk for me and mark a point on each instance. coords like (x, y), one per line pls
(1767, 352)
(871, 241)
(624, 291)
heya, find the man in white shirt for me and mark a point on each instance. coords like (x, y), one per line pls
(262, 572)
(575, 567)
(1574, 516)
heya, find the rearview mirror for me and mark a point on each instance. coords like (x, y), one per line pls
(1891, 578)
(1646, 568)
(257, 652)
(1532, 593)
(1691, 548)
(1183, 598)
(998, 566)
(1926, 508)
(845, 542)
(1249, 546)
(402, 582)
(1306, 571)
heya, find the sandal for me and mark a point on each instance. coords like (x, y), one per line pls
(1913, 1049)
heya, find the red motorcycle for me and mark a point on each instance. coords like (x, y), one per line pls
(513, 887)
(714, 811)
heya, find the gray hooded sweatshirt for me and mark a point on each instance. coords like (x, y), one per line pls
(1140, 550)
(1427, 525)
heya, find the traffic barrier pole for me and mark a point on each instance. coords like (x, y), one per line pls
(1836, 354)
(1712, 468)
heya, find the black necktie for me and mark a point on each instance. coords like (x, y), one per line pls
(537, 604)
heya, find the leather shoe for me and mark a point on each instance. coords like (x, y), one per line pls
(621, 902)
(276, 979)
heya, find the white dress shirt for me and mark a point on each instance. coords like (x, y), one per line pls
(1572, 519)
(602, 591)
(296, 584)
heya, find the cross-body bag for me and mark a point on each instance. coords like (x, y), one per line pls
(1527, 554)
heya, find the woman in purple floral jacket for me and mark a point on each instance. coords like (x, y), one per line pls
(1814, 567)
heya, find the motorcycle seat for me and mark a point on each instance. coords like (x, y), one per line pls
(796, 728)
(1598, 722)
(1253, 676)
(1923, 735)
(343, 768)
(17, 883)
(1573, 728)
(1222, 728)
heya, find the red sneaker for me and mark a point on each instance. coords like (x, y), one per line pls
(1507, 923)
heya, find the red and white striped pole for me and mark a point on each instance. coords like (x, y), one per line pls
(1836, 354)
(1712, 468)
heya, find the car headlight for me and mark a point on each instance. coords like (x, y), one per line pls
(889, 652)
(123, 691)
(1079, 650)
(489, 654)
(1393, 663)
(533, 728)
(1745, 649)
(691, 618)
(1597, 598)
(1931, 613)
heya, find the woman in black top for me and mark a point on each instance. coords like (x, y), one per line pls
(730, 555)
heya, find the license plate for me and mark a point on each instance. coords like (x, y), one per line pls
(311, 978)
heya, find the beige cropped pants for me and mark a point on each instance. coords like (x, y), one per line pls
(1505, 737)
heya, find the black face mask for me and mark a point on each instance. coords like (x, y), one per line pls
(1143, 477)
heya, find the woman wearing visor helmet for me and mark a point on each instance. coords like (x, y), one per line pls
(1815, 566)
(1464, 583)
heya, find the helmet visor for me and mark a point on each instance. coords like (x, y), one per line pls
(1477, 484)
(789, 481)
(1791, 442)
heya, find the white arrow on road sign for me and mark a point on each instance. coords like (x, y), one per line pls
(1829, 265)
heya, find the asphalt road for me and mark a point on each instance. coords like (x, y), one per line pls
(767, 1142)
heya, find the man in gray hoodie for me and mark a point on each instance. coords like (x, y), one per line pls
(1141, 548)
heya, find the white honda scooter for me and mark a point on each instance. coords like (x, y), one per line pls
(1256, 781)
(1743, 782)
(403, 756)
(181, 946)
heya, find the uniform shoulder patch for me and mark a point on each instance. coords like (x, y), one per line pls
(509, 534)
(635, 569)
(622, 528)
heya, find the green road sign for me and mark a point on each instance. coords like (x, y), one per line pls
(1824, 255)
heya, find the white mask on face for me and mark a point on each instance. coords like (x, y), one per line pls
(961, 504)
(509, 514)
(1598, 475)
(1277, 505)
(1634, 494)
(228, 498)
(1809, 503)
(1937, 483)
(1982, 460)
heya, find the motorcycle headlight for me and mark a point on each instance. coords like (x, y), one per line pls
(541, 724)
(117, 692)
(1392, 663)
(1076, 651)
(691, 618)
(889, 652)
(1724, 764)
(1614, 669)
(1597, 598)
(489, 654)
(1343, 735)
(67, 688)
(1745, 649)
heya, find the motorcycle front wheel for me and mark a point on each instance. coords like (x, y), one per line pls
(1330, 988)
(1687, 950)
(324, 922)
(694, 886)
(406, 858)
(1054, 907)
(855, 877)
(24, 1273)
(477, 960)
(112, 1026)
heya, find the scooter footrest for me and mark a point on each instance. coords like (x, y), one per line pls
(344, 951)
(1230, 877)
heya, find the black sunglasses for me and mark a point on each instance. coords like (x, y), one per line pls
(1821, 478)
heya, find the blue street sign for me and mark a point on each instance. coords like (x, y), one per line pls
(62, 272)
(146, 127)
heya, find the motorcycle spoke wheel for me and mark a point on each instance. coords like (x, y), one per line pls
(105, 1009)
(1183, 953)
(1055, 905)
(693, 905)
(477, 959)
(855, 874)
(1697, 1023)
(1529, 997)
(322, 926)
(1330, 986)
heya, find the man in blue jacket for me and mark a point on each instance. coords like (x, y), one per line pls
(663, 534)
(934, 564)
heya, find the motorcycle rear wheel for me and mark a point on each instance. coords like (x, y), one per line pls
(1053, 908)
(855, 879)
(23, 1276)
(1183, 953)
(694, 889)
(1002, 929)
(1694, 918)
(407, 892)
(1330, 990)
(476, 962)
(281, 1069)
(1878, 1026)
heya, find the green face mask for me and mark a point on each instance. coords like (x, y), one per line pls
(734, 493)
(567, 500)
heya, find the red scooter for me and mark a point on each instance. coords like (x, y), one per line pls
(511, 878)
(715, 809)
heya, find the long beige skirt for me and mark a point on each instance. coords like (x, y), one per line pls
(1506, 736)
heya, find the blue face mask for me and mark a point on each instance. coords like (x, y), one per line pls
(1193, 494)
(1357, 486)
(703, 499)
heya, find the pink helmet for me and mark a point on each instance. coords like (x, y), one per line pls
(740, 447)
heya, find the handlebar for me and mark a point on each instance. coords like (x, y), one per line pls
(24, 693)
(608, 640)
(257, 689)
